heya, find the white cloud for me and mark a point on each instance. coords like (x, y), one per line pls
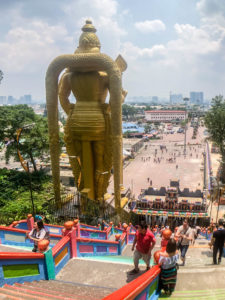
(133, 52)
(192, 40)
(150, 26)
(27, 49)
(30, 48)
(105, 16)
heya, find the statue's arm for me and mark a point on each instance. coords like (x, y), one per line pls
(64, 92)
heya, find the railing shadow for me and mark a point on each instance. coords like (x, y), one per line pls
(134, 276)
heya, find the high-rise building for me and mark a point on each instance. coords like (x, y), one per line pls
(11, 100)
(27, 99)
(155, 99)
(3, 100)
(176, 98)
(196, 97)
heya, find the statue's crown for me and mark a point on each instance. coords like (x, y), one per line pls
(88, 27)
(88, 41)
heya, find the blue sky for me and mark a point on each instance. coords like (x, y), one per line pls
(169, 45)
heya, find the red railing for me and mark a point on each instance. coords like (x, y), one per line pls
(4, 228)
(60, 245)
(17, 255)
(94, 227)
(135, 287)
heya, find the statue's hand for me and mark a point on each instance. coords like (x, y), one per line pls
(124, 94)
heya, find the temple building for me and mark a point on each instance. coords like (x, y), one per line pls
(171, 208)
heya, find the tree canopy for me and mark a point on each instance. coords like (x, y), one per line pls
(215, 123)
(34, 140)
(128, 111)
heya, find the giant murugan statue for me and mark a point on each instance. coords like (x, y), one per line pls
(92, 132)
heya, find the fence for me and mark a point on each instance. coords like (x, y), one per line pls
(89, 247)
(93, 234)
(21, 267)
(61, 253)
(87, 209)
(17, 237)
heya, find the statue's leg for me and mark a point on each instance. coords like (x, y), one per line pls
(74, 151)
(101, 173)
(88, 168)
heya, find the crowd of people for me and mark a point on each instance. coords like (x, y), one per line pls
(174, 246)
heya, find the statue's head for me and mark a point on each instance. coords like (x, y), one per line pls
(88, 42)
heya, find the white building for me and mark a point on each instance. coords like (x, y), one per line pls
(164, 115)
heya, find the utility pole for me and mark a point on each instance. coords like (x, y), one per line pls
(185, 128)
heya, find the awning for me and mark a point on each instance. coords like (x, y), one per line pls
(170, 213)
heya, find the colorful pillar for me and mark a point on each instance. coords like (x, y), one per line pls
(30, 222)
(127, 237)
(73, 244)
(119, 247)
(50, 265)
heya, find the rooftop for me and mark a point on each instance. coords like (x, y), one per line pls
(165, 111)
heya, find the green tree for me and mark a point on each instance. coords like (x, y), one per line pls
(33, 141)
(128, 111)
(148, 107)
(215, 123)
(148, 128)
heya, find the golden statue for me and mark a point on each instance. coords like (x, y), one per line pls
(92, 132)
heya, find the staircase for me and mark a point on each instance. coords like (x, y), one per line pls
(199, 294)
(52, 290)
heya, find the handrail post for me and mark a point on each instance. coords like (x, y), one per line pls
(73, 243)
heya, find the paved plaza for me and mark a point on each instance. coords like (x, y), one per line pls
(189, 169)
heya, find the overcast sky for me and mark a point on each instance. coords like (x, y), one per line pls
(169, 45)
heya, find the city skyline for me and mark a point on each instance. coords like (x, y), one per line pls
(168, 47)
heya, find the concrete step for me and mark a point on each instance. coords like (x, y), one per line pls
(200, 279)
(118, 259)
(127, 251)
(106, 276)
(78, 291)
(31, 294)
(198, 294)
(8, 297)
(16, 294)
(50, 290)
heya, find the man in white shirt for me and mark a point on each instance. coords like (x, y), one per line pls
(184, 235)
